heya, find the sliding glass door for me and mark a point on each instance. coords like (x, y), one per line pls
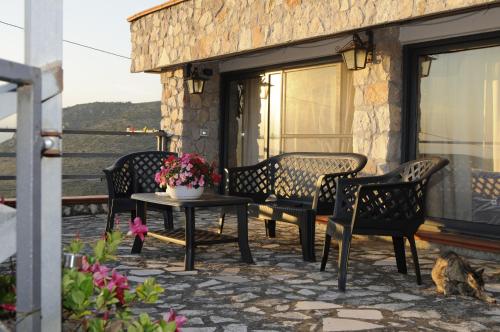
(289, 110)
(457, 105)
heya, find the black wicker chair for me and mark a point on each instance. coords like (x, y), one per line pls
(294, 188)
(389, 205)
(133, 173)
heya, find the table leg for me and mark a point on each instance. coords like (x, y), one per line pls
(246, 255)
(190, 244)
(141, 213)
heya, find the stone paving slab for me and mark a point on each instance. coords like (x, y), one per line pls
(281, 292)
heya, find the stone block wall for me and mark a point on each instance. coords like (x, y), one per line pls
(194, 30)
(377, 104)
(377, 108)
(184, 114)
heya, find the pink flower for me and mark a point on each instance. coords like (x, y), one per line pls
(118, 283)
(201, 181)
(137, 228)
(86, 267)
(8, 307)
(172, 317)
(100, 275)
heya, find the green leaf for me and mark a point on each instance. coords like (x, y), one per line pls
(149, 291)
(77, 297)
(100, 250)
(144, 319)
(96, 325)
(168, 327)
(87, 286)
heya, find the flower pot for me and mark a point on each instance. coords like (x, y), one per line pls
(184, 192)
(72, 261)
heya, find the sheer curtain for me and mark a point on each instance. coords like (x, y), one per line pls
(459, 119)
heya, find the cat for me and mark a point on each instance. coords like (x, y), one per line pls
(454, 275)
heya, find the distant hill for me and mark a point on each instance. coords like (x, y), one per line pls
(93, 116)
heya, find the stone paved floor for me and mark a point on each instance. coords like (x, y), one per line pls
(283, 293)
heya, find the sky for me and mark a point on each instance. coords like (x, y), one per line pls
(89, 76)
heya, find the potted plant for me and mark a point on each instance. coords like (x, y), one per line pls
(186, 176)
(72, 257)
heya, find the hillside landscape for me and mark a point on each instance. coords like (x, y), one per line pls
(93, 116)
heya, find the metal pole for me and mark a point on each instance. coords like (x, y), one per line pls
(43, 48)
(28, 188)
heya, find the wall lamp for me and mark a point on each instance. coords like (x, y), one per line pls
(425, 65)
(193, 79)
(356, 53)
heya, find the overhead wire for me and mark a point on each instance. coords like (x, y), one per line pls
(75, 43)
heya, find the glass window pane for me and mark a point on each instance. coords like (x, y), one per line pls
(312, 101)
(460, 120)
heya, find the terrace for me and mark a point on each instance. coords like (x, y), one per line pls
(246, 83)
(281, 292)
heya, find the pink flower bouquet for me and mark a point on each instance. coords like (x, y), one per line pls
(189, 169)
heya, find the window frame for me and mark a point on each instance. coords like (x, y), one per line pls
(409, 115)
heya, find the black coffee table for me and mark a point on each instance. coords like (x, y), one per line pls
(189, 236)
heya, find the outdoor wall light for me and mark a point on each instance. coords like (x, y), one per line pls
(194, 81)
(425, 65)
(357, 53)
(264, 88)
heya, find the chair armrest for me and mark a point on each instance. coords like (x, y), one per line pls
(117, 182)
(346, 193)
(249, 181)
(326, 188)
(394, 203)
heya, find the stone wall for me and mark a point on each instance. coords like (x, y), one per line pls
(184, 114)
(200, 29)
(377, 104)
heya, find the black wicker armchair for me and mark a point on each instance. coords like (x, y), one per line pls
(293, 188)
(130, 174)
(389, 205)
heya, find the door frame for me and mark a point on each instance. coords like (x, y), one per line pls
(409, 115)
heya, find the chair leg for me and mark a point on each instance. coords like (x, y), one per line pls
(168, 219)
(307, 236)
(399, 251)
(413, 247)
(271, 228)
(326, 251)
(344, 248)
(222, 218)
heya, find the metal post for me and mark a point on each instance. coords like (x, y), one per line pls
(43, 48)
(28, 188)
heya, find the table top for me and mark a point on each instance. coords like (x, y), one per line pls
(206, 200)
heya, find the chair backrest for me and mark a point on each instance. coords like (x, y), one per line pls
(418, 170)
(134, 173)
(294, 175)
(400, 205)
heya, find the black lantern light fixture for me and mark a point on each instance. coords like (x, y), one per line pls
(194, 81)
(356, 53)
(425, 65)
(264, 88)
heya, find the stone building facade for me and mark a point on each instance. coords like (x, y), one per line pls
(233, 38)
(166, 38)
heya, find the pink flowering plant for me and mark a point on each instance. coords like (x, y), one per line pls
(99, 298)
(189, 169)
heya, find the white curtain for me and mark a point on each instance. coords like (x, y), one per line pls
(459, 119)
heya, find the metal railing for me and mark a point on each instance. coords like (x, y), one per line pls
(162, 139)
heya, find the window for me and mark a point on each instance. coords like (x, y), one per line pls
(306, 109)
(457, 116)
